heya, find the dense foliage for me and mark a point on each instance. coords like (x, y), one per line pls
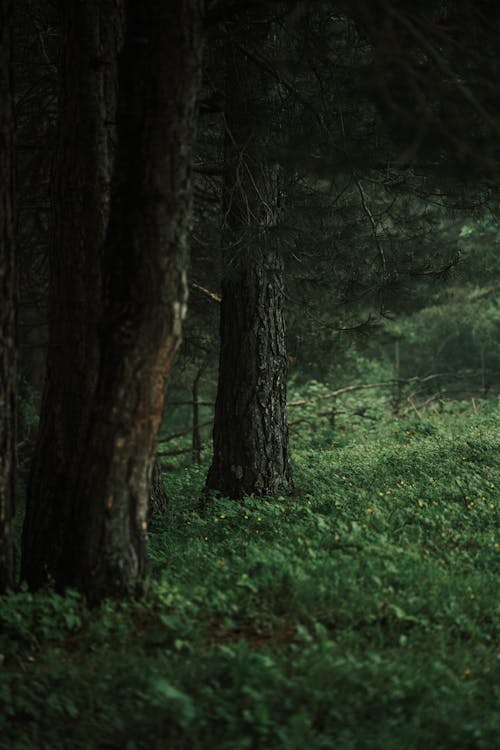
(362, 613)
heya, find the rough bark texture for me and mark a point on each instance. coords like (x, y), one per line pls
(144, 286)
(92, 36)
(140, 305)
(7, 301)
(250, 427)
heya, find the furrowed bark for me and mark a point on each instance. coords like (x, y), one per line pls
(145, 292)
(91, 39)
(250, 427)
(116, 317)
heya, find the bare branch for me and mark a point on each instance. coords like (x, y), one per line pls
(366, 209)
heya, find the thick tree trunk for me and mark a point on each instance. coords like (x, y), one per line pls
(145, 292)
(140, 305)
(92, 36)
(250, 427)
(7, 301)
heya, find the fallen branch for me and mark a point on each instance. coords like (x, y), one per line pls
(211, 295)
(383, 384)
(175, 452)
(187, 431)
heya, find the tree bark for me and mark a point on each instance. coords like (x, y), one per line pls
(145, 291)
(91, 39)
(250, 428)
(8, 298)
(140, 305)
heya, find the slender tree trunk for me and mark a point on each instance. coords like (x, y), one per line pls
(158, 500)
(250, 427)
(8, 300)
(99, 511)
(196, 436)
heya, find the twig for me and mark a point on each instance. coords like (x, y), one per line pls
(412, 404)
(182, 433)
(366, 209)
(211, 295)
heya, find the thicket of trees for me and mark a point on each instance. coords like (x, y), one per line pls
(334, 143)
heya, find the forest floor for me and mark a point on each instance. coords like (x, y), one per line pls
(361, 614)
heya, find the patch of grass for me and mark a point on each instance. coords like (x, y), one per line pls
(362, 613)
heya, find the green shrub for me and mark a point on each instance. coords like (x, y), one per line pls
(361, 613)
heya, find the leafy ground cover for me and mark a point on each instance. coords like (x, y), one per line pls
(361, 613)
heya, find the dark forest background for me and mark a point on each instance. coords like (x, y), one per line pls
(250, 371)
(388, 225)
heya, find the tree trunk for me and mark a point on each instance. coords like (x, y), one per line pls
(142, 295)
(91, 39)
(250, 428)
(158, 500)
(8, 299)
(196, 435)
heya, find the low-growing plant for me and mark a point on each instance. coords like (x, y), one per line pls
(360, 613)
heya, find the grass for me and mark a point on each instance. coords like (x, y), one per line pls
(362, 613)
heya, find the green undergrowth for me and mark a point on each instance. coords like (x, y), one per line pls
(361, 613)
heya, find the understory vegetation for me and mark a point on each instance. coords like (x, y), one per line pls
(360, 613)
